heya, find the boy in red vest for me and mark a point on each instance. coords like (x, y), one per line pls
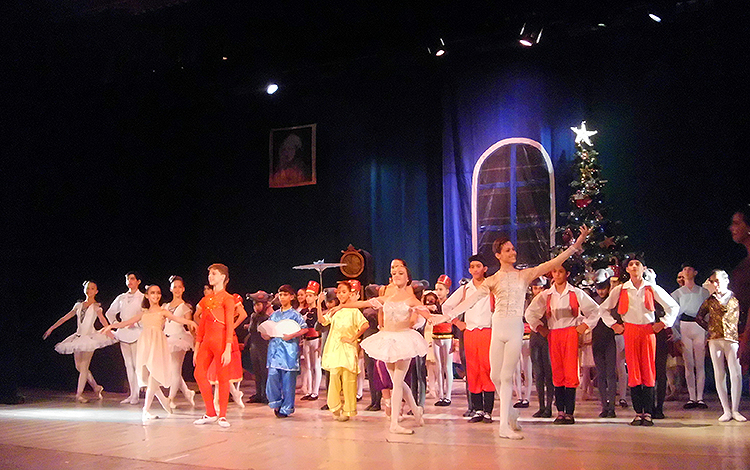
(562, 305)
(635, 304)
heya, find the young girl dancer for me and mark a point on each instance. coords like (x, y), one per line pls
(341, 353)
(397, 342)
(152, 359)
(180, 341)
(85, 340)
(508, 285)
(719, 315)
(311, 368)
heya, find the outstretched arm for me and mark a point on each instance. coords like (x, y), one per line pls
(123, 324)
(59, 322)
(177, 319)
(557, 261)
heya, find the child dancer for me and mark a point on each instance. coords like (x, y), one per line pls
(235, 365)
(256, 347)
(508, 285)
(311, 369)
(283, 357)
(128, 305)
(179, 340)
(442, 342)
(635, 304)
(85, 340)
(539, 351)
(213, 343)
(341, 353)
(604, 349)
(562, 304)
(720, 314)
(397, 342)
(153, 366)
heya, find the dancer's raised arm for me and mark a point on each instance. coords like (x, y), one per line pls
(557, 261)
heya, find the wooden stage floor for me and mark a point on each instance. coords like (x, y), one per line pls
(52, 431)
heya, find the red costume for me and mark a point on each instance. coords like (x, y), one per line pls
(214, 333)
(235, 366)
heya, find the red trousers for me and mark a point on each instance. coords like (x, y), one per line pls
(563, 356)
(210, 352)
(640, 353)
(477, 348)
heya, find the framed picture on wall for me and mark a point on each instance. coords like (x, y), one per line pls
(292, 157)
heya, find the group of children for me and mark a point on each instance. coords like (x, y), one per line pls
(404, 323)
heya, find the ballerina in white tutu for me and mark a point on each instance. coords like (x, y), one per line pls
(180, 341)
(152, 359)
(85, 340)
(396, 342)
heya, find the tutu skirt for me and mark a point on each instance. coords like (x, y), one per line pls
(392, 346)
(83, 343)
(180, 342)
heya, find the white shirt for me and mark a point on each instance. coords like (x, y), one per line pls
(477, 316)
(637, 313)
(562, 315)
(690, 300)
(127, 305)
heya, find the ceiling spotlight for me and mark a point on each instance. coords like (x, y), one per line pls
(272, 88)
(437, 48)
(224, 58)
(529, 35)
(655, 17)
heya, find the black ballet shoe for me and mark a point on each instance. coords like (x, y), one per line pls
(324, 407)
(646, 421)
(604, 414)
(637, 421)
(560, 419)
(657, 415)
(690, 405)
(478, 417)
(622, 403)
(612, 413)
(468, 413)
(569, 419)
(373, 407)
(701, 405)
(547, 413)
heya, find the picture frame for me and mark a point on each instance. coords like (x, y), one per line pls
(292, 159)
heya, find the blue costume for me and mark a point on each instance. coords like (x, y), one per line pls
(283, 365)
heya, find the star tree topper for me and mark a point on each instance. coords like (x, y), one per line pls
(583, 134)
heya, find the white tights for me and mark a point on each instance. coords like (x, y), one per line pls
(723, 351)
(83, 360)
(128, 355)
(154, 389)
(444, 365)
(311, 371)
(401, 391)
(178, 383)
(523, 372)
(505, 351)
(694, 354)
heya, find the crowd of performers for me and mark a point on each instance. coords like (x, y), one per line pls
(510, 327)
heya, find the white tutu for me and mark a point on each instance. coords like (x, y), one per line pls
(83, 343)
(180, 342)
(128, 335)
(392, 346)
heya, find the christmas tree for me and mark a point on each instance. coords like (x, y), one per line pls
(606, 244)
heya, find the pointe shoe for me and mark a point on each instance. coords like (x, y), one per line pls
(510, 434)
(167, 406)
(80, 399)
(387, 403)
(513, 420)
(146, 417)
(738, 417)
(400, 430)
(191, 397)
(98, 390)
(237, 397)
(726, 417)
(206, 420)
(419, 416)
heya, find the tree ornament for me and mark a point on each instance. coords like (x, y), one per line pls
(583, 134)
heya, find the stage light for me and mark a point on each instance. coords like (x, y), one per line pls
(224, 58)
(655, 17)
(437, 48)
(272, 88)
(529, 35)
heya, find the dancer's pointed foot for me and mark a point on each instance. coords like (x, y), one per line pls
(419, 416)
(98, 390)
(507, 433)
(387, 403)
(400, 430)
(80, 399)
(190, 395)
(237, 397)
(172, 404)
(738, 417)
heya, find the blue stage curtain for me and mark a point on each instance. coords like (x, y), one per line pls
(483, 107)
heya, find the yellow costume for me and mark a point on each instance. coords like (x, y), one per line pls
(341, 359)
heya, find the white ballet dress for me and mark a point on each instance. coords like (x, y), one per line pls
(392, 346)
(178, 338)
(86, 337)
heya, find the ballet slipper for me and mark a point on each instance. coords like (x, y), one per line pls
(206, 420)
(191, 397)
(387, 403)
(237, 397)
(400, 430)
(146, 417)
(419, 416)
(513, 420)
(725, 417)
(507, 433)
(80, 399)
(172, 404)
(98, 390)
(223, 422)
(738, 417)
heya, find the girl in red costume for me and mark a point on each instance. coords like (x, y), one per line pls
(213, 343)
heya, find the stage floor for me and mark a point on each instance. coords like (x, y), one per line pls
(52, 431)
